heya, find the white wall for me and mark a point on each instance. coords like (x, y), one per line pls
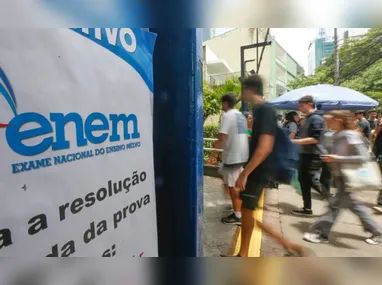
(210, 55)
(227, 47)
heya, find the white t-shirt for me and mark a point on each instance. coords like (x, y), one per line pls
(236, 148)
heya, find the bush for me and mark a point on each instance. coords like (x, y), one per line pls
(210, 131)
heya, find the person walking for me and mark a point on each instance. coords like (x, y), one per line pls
(348, 146)
(373, 121)
(377, 150)
(363, 124)
(291, 124)
(256, 174)
(310, 164)
(233, 139)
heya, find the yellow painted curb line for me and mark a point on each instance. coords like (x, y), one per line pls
(255, 245)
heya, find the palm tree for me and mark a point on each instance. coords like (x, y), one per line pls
(212, 95)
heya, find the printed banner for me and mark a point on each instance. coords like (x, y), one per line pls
(76, 171)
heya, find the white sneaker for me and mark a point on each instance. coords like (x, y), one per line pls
(377, 209)
(315, 238)
(374, 239)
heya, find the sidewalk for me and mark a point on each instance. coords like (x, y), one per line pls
(217, 236)
(220, 238)
(346, 240)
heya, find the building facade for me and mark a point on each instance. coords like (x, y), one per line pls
(319, 50)
(208, 33)
(222, 60)
(323, 45)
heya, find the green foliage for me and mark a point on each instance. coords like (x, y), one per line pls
(360, 67)
(211, 101)
(231, 85)
(210, 131)
(212, 95)
(368, 82)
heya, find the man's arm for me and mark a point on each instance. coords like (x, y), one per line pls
(305, 141)
(262, 151)
(317, 129)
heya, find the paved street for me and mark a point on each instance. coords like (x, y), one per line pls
(217, 237)
(347, 239)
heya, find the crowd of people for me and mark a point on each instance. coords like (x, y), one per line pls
(323, 138)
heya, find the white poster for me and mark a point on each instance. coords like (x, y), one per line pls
(76, 171)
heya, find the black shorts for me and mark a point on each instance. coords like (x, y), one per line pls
(252, 193)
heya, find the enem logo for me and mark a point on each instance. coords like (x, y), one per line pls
(6, 91)
(95, 128)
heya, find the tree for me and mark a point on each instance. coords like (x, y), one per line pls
(212, 95)
(211, 101)
(360, 66)
(368, 82)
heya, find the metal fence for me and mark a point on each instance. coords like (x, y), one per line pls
(210, 170)
(207, 146)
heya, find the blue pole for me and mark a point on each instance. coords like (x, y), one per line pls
(178, 141)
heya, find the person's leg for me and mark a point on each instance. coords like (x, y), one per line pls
(250, 199)
(378, 209)
(306, 185)
(316, 184)
(226, 190)
(224, 176)
(232, 175)
(247, 227)
(325, 180)
(368, 223)
(292, 248)
(315, 170)
(235, 217)
(320, 230)
(236, 201)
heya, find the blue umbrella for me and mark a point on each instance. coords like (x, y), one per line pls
(328, 96)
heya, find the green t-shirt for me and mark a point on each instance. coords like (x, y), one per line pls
(249, 132)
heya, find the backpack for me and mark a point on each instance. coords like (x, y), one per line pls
(285, 158)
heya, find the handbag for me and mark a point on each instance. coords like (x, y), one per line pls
(365, 176)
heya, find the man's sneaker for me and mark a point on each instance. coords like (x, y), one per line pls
(231, 220)
(374, 239)
(302, 212)
(377, 209)
(315, 238)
